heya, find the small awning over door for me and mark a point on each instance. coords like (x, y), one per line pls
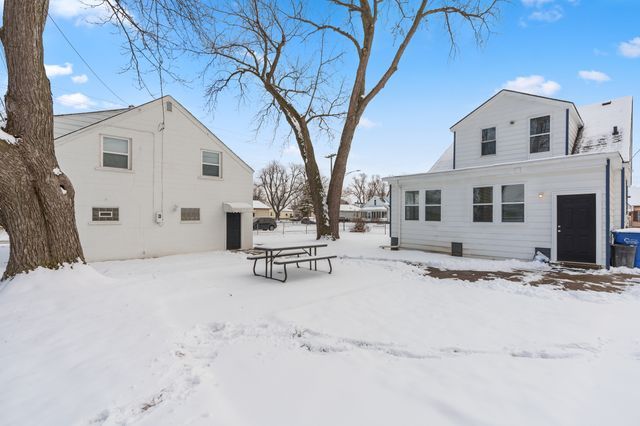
(237, 207)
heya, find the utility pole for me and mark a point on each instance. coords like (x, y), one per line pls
(330, 157)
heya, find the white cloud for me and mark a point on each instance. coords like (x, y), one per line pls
(75, 100)
(80, 79)
(534, 84)
(366, 123)
(547, 15)
(57, 70)
(83, 11)
(596, 76)
(631, 48)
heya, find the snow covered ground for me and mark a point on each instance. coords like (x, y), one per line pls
(198, 340)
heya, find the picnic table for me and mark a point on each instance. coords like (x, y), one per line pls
(285, 255)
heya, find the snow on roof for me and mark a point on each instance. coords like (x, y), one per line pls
(375, 208)
(607, 127)
(445, 162)
(349, 208)
(257, 204)
(68, 123)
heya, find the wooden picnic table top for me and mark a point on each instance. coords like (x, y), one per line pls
(265, 247)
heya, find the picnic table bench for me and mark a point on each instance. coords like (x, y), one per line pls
(287, 255)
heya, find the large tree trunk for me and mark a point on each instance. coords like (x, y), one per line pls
(314, 180)
(36, 199)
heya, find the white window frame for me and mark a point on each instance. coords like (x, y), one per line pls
(473, 204)
(495, 141)
(411, 205)
(202, 163)
(102, 152)
(426, 204)
(539, 134)
(523, 202)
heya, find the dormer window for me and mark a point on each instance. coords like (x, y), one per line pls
(489, 141)
(540, 134)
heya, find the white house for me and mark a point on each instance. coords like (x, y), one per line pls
(524, 174)
(349, 212)
(153, 181)
(376, 209)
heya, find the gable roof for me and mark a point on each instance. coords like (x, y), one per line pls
(513, 92)
(257, 204)
(64, 124)
(72, 123)
(599, 122)
(596, 135)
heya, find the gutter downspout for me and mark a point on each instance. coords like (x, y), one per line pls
(566, 134)
(454, 150)
(607, 203)
(623, 198)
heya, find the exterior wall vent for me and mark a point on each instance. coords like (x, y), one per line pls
(456, 249)
(169, 106)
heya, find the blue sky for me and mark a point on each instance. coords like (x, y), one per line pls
(540, 46)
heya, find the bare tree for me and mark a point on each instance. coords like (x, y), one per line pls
(377, 187)
(281, 186)
(289, 57)
(258, 193)
(36, 197)
(358, 188)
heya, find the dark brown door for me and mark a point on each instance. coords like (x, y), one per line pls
(233, 231)
(577, 228)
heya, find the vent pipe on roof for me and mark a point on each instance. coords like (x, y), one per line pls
(606, 103)
(615, 130)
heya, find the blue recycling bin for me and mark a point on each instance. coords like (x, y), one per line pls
(629, 238)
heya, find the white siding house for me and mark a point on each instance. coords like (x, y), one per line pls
(524, 174)
(376, 209)
(153, 181)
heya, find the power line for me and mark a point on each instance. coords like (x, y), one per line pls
(85, 62)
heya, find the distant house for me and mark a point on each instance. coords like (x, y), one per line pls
(634, 207)
(152, 181)
(261, 209)
(524, 174)
(349, 212)
(375, 210)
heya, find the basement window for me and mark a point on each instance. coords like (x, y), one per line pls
(116, 152)
(190, 215)
(513, 203)
(483, 204)
(211, 163)
(489, 141)
(433, 205)
(540, 134)
(105, 214)
(411, 205)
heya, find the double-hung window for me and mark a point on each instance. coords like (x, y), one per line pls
(411, 205)
(116, 152)
(513, 203)
(540, 134)
(105, 214)
(210, 163)
(489, 141)
(433, 205)
(189, 214)
(483, 204)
